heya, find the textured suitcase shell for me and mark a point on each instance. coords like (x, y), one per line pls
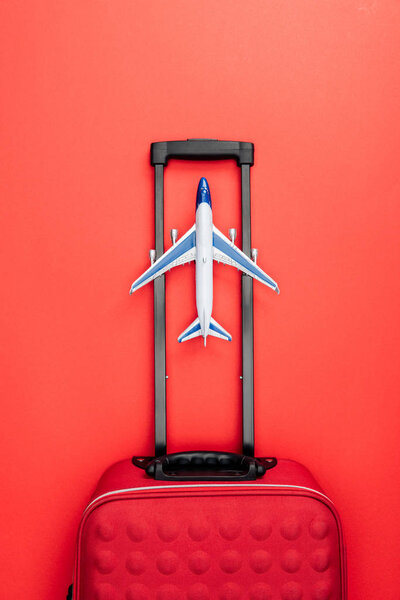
(279, 537)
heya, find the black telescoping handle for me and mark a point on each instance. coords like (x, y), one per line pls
(202, 149)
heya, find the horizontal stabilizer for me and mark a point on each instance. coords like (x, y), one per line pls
(194, 330)
(217, 331)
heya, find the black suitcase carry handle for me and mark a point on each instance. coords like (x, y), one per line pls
(161, 466)
(205, 466)
(202, 149)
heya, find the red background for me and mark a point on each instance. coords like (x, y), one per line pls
(86, 86)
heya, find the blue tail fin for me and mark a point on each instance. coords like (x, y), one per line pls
(194, 330)
(217, 331)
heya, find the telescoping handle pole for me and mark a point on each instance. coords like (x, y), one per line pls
(202, 149)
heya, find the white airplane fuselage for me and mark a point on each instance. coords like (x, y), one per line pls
(203, 243)
(204, 266)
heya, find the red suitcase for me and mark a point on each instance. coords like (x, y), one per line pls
(208, 525)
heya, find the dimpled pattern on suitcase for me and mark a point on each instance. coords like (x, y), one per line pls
(259, 541)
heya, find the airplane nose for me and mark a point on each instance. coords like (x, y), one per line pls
(203, 184)
(203, 192)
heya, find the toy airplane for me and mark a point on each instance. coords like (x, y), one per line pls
(204, 243)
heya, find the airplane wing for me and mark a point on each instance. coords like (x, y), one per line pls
(226, 252)
(180, 253)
